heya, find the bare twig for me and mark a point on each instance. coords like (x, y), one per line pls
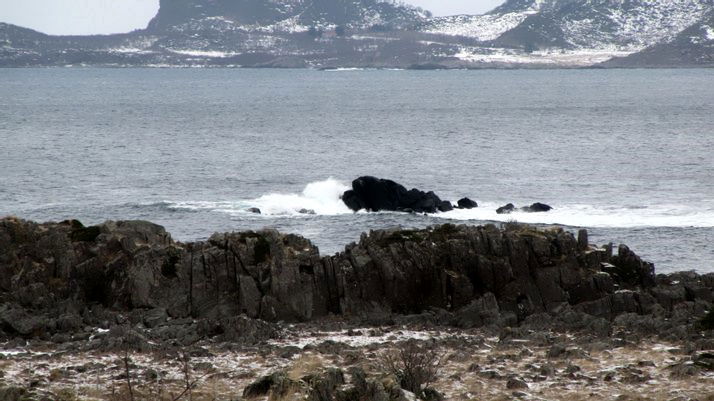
(191, 384)
(127, 371)
(416, 367)
(186, 359)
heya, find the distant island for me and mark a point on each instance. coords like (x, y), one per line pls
(329, 34)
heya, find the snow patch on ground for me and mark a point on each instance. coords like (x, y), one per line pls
(637, 25)
(568, 58)
(709, 32)
(479, 27)
(203, 53)
(364, 337)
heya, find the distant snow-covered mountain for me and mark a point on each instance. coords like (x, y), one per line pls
(386, 33)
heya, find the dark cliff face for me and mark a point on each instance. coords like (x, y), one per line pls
(173, 13)
(476, 275)
(176, 12)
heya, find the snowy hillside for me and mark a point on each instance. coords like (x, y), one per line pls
(388, 34)
(593, 24)
(693, 47)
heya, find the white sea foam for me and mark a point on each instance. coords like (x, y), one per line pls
(323, 197)
(578, 215)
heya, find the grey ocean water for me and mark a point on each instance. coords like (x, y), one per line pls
(627, 153)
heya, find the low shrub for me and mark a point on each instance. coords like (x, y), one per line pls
(414, 366)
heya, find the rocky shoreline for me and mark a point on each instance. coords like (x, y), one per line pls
(127, 287)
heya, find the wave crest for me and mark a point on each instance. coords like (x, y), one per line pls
(320, 197)
(323, 198)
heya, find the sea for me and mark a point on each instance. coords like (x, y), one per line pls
(627, 154)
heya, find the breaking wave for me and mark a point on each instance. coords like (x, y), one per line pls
(578, 215)
(323, 198)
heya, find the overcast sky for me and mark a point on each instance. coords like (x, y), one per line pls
(81, 17)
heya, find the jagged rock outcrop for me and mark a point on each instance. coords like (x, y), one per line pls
(57, 278)
(376, 194)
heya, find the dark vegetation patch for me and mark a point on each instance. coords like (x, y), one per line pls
(414, 365)
(88, 234)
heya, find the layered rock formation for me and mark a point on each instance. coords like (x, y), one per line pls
(58, 278)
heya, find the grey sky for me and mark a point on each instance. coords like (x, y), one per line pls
(81, 17)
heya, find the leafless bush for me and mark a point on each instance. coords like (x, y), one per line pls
(415, 366)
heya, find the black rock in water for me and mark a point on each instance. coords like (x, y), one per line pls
(445, 206)
(509, 208)
(537, 208)
(376, 194)
(534, 208)
(254, 210)
(466, 203)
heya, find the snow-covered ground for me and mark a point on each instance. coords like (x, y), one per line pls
(709, 32)
(474, 365)
(479, 27)
(638, 24)
(568, 58)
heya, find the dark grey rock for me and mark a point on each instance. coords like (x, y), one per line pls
(537, 208)
(133, 273)
(155, 317)
(583, 242)
(374, 194)
(466, 203)
(507, 209)
(516, 384)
